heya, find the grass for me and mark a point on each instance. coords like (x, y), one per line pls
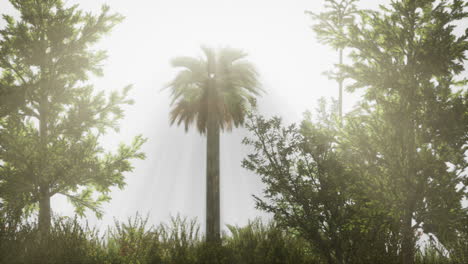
(136, 242)
(177, 242)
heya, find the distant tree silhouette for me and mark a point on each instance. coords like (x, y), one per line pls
(214, 92)
(330, 28)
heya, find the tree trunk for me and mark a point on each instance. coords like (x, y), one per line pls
(44, 210)
(407, 245)
(212, 182)
(340, 82)
(44, 192)
(408, 239)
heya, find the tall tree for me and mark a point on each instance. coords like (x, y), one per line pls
(214, 92)
(49, 139)
(410, 137)
(310, 189)
(330, 27)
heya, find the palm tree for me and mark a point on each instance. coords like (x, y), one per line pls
(214, 92)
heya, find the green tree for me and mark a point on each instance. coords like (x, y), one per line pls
(330, 27)
(409, 136)
(49, 139)
(310, 190)
(214, 92)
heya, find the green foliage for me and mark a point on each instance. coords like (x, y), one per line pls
(267, 243)
(409, 136)
(330, 28)
(181, 238)
(310, 190)
(49, 138)
(407, 139)
(68, 242)
(134, 241)
(331, 25)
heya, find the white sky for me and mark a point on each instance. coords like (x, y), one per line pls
(171, 180)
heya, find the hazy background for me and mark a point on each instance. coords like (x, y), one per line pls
(171, 180)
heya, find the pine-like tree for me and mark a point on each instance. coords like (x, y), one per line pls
(330, 28)
(409, 138)
(49, 135)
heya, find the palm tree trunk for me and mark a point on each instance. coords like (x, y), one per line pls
(212, 182)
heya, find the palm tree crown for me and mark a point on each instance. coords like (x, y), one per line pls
(221, 84)
(213, 91)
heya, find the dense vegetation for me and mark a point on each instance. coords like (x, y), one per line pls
(342, 188)
(178, 242)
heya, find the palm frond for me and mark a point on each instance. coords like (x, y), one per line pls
(234, 80)
(210, 62)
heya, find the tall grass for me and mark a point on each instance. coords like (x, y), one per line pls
(177, 242)
(267, 244)
(68, 242)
